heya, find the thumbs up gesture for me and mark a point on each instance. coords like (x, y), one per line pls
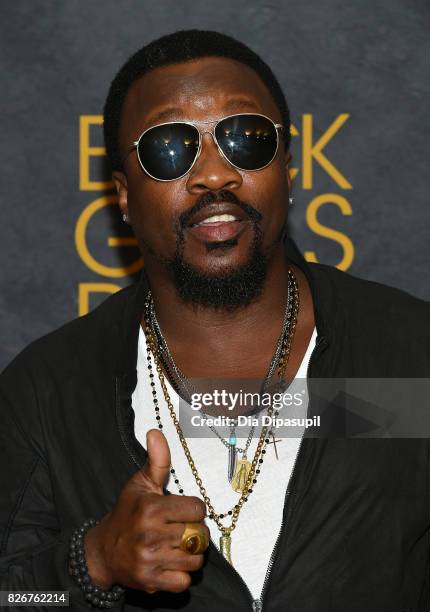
(137, 544)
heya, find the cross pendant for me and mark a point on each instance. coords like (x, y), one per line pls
(274, 443)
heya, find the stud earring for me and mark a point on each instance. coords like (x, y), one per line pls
(125, 218)
(291, 200)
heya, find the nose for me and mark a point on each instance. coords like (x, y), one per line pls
(211, 170)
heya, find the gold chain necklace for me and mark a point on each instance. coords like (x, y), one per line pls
(252, 469)
(236, 471)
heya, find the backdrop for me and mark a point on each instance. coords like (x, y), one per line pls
(356, 76)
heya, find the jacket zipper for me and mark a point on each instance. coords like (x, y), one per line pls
(257, 604)
(231, 567)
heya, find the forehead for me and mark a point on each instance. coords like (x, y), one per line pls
(193, 90)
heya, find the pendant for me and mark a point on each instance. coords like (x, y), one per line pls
(232, 455)
(241, 475)
(232, 460)
(225, 546)
(274, 442)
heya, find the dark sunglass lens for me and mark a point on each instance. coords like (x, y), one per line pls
(248, 141)
(168, 151)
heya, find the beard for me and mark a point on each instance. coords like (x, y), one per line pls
(227, 290)
(232, 288)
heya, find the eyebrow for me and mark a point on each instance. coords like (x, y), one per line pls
(175, 111)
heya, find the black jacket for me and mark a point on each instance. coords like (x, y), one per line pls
(355, 535)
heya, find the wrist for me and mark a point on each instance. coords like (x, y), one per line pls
(99, 573)
(96, 594)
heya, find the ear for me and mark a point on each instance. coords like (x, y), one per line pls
(121, 186)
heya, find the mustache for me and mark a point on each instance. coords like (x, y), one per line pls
(213, 198)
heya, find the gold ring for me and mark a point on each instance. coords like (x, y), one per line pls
(194, 539)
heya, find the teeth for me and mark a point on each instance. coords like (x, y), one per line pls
(218, 218)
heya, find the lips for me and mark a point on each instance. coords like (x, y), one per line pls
(221, 208)
(218, 222)
(225, 218)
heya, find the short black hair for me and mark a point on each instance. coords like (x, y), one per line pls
(182, 46)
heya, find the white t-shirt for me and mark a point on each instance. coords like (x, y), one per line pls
(260, 518)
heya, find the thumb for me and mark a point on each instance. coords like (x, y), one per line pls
(157, 465)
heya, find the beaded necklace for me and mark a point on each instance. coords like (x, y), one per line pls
(250, 478)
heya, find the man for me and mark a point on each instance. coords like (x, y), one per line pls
(197, 132)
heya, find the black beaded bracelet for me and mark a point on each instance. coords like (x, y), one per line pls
(95, 595)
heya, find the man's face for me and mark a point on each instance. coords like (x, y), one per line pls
(164, 214)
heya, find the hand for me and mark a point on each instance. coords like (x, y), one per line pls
(136, 545)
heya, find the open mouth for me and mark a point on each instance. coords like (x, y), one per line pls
(218, 228)
(218, 222)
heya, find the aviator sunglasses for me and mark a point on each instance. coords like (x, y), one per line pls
(168, 151)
